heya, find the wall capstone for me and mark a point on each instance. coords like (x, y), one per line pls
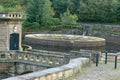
(73, 67)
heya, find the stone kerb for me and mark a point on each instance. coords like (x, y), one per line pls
(73, 67)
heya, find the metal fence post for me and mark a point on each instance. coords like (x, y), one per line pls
(106, 57)
(97, 59)
(115, 62)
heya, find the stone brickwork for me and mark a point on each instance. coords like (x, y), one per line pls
(74, 41)
(18, 62)
(114, 38)
(3, 36)
(65, 71)
(7, 23)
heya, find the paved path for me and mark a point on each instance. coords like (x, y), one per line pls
(102, 72)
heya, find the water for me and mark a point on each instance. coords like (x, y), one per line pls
(84, 33)
(110, 47)
(4, 75)
(63, 48)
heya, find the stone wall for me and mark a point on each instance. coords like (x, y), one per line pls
(114, 38)
(3, 36)
(62, 31)
(65, 71)
(67, 41)
(109, 36)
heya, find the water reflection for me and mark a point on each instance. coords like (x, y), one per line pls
(4, 75)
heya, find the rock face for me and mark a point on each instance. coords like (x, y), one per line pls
(64, 40)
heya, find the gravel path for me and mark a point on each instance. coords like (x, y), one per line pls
(102, 72)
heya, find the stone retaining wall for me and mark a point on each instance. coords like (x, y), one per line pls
(72, 41)
(110, 37)
(114, 38)
(73, 67)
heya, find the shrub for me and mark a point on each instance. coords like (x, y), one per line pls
(35, 25)
(27, 24)
(68, 19)
(55, 21)
(1, 9)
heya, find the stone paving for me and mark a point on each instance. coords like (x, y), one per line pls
(102, 72)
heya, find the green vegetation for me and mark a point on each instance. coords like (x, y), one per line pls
(68, 19)
(40, 11)
(65, 13)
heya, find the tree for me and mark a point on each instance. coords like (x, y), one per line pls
(1, 9)
(97, 10)
(117, 11)
(60, 6)
(68, 19)
(11, 5)
(40, 11)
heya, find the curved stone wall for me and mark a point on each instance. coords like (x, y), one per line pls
(64, 40)
(26, 47)
(74, 67)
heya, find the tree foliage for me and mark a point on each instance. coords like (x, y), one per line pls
(94, 10)
(59, 6)
(68, 19)
(1, 9)
(40, 11)
(48, 12)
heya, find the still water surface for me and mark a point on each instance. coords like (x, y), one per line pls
(110, 47)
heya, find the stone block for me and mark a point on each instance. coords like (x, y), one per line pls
(54, 76)
(60, 74)
(42, 78)
(67, 73)
(49, 77)
(37, 79)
